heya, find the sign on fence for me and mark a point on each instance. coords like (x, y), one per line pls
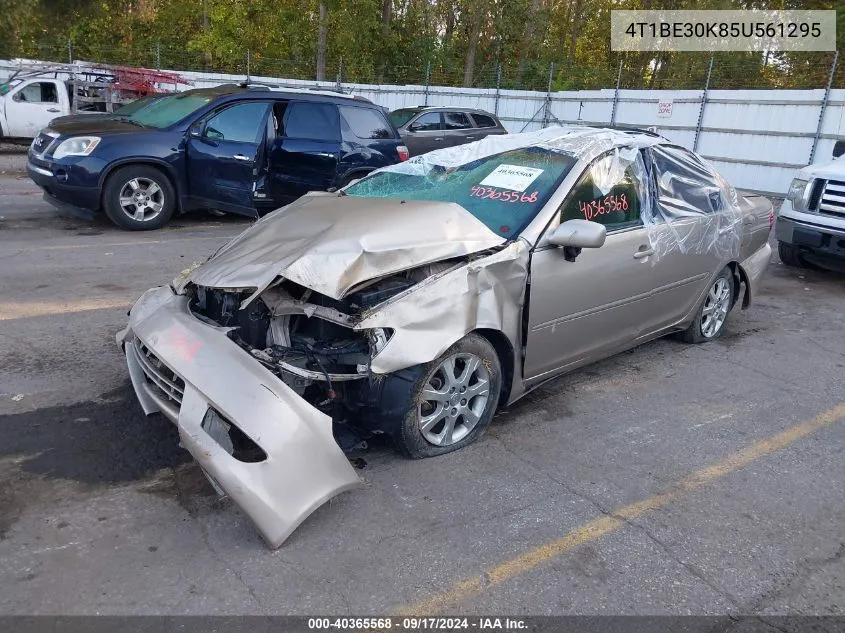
(664, 108)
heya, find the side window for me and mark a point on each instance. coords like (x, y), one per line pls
(315, 121)
(684, 183)
(605, 194)
(366, 123)
(456, 121)
(41, 92)
(426, 122)
(482, 120)
(242, 123)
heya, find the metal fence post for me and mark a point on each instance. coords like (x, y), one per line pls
(824, 106)
(498, 88)
(248, 55)
(616, 95)
(703, 105)
(548, 111)
(427, 79)
(158, 54)
(339, 82)
(69, 51)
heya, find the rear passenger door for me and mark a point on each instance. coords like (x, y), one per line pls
(305, 150)
(458, 128)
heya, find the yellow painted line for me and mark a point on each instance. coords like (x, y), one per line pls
(23, 310)
(595, 529)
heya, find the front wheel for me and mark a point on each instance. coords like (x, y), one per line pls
(710, 319)
(790, 255)
(453, 401)
(139, 198)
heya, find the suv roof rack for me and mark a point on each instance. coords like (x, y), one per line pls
(331, 92)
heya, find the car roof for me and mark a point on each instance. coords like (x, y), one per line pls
(260, 91)
(446, 108)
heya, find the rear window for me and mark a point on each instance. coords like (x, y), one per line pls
(366, 123)
(482, 120)
(456, 121)
(401, 117)
(317, 121)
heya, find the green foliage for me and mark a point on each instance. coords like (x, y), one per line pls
(367, 43)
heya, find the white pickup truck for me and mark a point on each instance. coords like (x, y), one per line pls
(811, 222)
(30, 104)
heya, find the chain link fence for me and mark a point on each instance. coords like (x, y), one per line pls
(691, 71)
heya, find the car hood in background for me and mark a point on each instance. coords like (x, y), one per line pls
(96, 125)
(332, 243)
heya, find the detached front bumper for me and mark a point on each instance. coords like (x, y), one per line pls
(182, 367)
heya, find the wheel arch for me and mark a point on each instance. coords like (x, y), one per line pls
(504, 350)
(740, 277)
(166, 169)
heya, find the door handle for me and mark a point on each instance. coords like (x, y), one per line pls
(241, 157)
(53, 110)
(439, 138)
(325, 154)
(644, 251)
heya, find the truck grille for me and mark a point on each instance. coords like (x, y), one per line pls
(833, 199)
(160, 376)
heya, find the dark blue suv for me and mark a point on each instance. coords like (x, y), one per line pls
(237, 149)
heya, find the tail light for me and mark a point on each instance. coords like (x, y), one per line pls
(771, 218)
(403, 152)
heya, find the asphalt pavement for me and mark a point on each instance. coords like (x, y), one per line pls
(672, 479)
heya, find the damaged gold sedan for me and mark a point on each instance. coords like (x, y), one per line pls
(417, 301)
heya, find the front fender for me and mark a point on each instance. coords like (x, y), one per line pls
(486, 293)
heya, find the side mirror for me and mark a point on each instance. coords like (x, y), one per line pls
(579, 234)
(195, 131)
(838, 149)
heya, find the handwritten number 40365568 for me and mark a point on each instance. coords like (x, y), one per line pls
(603, 206)
(504, 196)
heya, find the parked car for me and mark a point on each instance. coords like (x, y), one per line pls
(243, 150)
(401, 304)
(811, 222)
(427, 128)
(123, 111)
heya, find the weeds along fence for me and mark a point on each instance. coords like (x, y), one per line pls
(756, 135)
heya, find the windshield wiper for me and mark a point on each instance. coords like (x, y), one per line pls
(128, 119)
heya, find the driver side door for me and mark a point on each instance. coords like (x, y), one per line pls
(583, 310)
(223, 156)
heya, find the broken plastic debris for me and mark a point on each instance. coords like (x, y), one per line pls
(17, 397)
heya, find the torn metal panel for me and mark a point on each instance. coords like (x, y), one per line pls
(332, 243)
(205, 384)
(484, 293)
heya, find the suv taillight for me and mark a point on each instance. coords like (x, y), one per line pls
(403, 152)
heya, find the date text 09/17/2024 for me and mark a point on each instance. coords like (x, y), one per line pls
(417, 624)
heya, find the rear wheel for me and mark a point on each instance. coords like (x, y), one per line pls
(453, 401)
(139, 198)
(790, 255)
(710, 319)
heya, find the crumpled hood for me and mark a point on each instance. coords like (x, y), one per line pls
(331, 243)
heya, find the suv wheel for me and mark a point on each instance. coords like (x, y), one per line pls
(790, 255)
(139, 198)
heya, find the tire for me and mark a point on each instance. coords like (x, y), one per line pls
(716, 305)
(142, 188)
(467, 417)
(790, 255)
(350, 178)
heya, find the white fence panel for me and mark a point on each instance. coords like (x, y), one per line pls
(756, 138)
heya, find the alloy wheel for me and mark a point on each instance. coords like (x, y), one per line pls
(716, 308)
(142, 199)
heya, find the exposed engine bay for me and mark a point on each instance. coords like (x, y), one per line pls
(307, 339)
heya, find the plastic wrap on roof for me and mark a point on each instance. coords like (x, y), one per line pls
(685, 204)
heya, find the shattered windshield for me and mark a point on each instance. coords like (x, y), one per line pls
(505, 191)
